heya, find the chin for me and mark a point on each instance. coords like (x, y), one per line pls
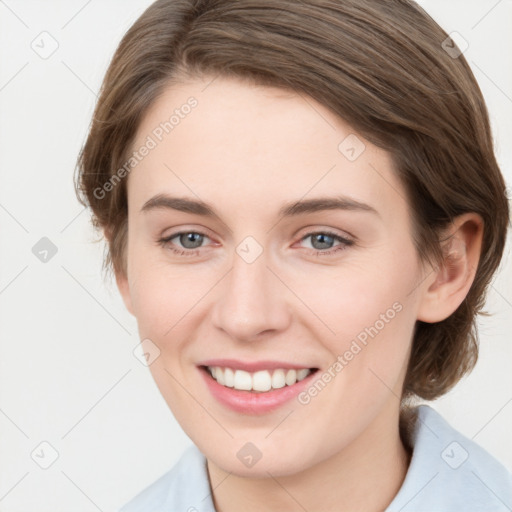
(249, 462)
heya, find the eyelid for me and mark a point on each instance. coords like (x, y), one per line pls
(167, 239)
(201, 230)
(344, 242)
(315, 229)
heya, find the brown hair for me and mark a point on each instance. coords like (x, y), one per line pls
(380, 66)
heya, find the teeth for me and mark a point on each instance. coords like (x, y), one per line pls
(302, 374)
(219, 376)
(260, 381)
(291, 377)
(229, 378)
(278, 379)
(243, 380)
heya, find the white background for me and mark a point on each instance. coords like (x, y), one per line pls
(67, 372)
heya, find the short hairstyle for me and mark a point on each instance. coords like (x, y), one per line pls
(381, 67)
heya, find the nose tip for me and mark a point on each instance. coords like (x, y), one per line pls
(251, 301)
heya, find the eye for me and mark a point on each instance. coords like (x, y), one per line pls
(322, 242)
(189, 242)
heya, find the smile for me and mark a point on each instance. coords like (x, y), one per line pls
(260, 381)
(254, 390)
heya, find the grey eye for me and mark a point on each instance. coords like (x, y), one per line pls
(191, 240)
(324, 240)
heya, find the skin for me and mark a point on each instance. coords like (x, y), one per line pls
(247, 151)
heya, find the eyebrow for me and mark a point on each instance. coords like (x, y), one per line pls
(294, 208)
(198, 207)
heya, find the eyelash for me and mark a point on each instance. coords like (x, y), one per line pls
(345, 242)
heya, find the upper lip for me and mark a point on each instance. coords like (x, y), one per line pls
(252, 366)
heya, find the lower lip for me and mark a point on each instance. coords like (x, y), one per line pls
(248, 402)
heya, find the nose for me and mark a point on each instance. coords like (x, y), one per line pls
(252, 301)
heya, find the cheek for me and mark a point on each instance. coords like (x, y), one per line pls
(370, 312)
(353, 296)
(374, 356)
(162, 293)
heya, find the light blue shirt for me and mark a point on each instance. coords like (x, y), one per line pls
(448, 473)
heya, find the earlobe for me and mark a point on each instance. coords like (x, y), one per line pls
(451, 282)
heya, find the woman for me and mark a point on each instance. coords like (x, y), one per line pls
(304, 212)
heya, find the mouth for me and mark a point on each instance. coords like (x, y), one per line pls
(255, 392)
(261, 381)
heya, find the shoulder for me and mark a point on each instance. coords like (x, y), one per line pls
(185, 487)
(450, 472)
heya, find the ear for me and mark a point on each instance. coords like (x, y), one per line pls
(448, 286)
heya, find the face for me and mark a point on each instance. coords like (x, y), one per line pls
(300, 266)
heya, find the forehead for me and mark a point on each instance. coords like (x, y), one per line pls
(247, 146)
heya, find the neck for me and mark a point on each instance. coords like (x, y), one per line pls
(376, 460)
